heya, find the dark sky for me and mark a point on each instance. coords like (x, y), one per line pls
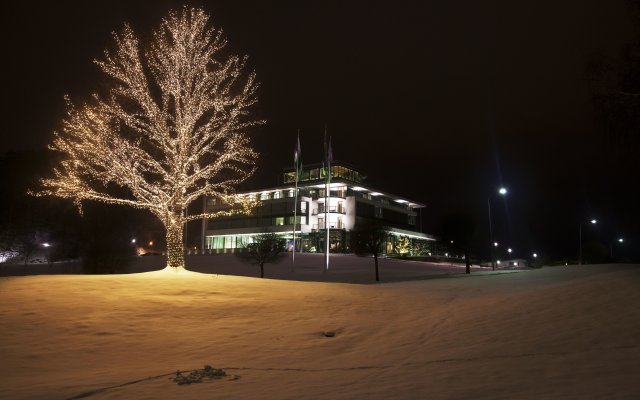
(438, 101)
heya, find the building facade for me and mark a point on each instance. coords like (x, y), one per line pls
(350, 202)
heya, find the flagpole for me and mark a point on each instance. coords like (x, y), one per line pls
(295, 205)
(326, 203)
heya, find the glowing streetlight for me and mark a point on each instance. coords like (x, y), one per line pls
(509, 250)
(535, 255)
(133, 240)
(620, 240)
(503, 192)
(593, 222)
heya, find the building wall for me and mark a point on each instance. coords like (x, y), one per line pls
(349, 206)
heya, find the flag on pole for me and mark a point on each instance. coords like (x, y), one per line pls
(325, 171)
(329, 158)
(297, 161)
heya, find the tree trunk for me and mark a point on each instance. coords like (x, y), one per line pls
(375, 258)
(467, 261)
(175, 247)
(261, 270)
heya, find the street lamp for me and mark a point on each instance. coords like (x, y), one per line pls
(593, 222)
(503, 192)
(47, 246)
(620, 240)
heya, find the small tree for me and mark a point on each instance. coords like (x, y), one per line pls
(457, 231)
(266, 248)
(369, 239)
(403, 245)
(171, 129)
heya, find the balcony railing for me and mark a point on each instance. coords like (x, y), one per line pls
(338, 210)
(342, 194)
(333, 225)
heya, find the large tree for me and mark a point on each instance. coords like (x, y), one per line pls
(171, 128)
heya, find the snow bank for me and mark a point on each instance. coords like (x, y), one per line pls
(564, 332)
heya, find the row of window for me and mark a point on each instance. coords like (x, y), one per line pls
(244, 222)
(312, 174)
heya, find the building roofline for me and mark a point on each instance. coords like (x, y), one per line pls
(343, 182)
(319, 164)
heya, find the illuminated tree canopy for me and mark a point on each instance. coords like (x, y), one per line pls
(172, 127)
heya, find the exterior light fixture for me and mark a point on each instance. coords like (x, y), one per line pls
(620, 240)
(133, 240)
(593, 222)
(509, 250)
(502, 191)
(535, 255)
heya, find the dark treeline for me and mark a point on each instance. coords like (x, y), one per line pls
(100, 237)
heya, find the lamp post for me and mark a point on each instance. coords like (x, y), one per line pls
(48, 247)
(493, 244)
(620, 240)
(593, 221)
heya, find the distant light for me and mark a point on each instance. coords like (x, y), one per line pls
(502, 191)
(495, 244)
(621, 240)
(593, 221)
(535, 255)
(46, 244)
(151, 243)
(375, 194)
(133, 240)
(401, 201)
(452, 242)
(509, 250)
(515, 263)
(358, 188)
(446, 254)
(498, 262)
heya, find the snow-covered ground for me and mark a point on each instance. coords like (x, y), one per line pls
(308, 267)
(554, 333)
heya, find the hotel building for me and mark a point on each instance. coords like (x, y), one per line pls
(350, 203)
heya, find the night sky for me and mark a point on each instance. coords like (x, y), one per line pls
(438, 101)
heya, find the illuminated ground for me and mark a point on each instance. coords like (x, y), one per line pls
(563, 332)
(308, 267)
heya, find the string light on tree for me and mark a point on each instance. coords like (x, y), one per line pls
(171, 129)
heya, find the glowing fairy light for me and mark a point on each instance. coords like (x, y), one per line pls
(171, 129)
